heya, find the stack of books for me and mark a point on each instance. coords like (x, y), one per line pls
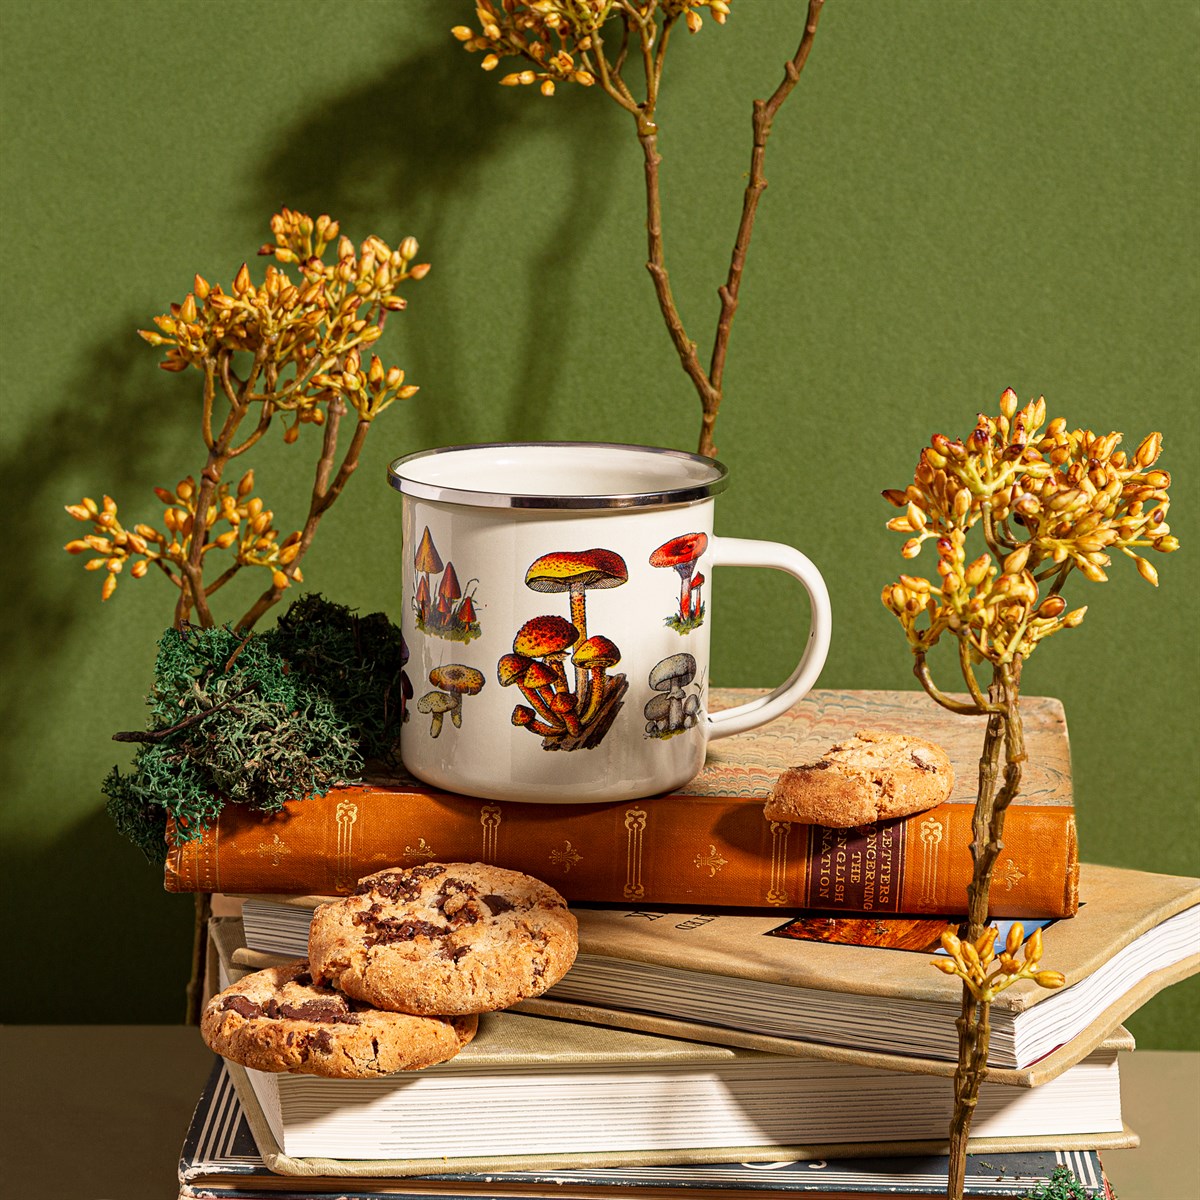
(751, 1008)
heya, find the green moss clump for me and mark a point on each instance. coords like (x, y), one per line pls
(357, 661)
(1062, 1185)
(258, 719)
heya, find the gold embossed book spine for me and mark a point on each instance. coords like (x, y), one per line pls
(708, 847)
(675, 850)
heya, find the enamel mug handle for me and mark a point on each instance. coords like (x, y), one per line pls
(744, 552)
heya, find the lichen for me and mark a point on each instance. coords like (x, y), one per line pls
(1062, 1185)
(258, 719)
(357, 660)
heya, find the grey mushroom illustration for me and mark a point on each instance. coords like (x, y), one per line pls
(671, 676)
(657, 711)
(438, 704)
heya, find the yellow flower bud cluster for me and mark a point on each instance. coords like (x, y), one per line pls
(370, 391)
(558, 38)
(294, 346)
(296, 329)
(689, 10)
(987, 974)
(1046, 502)
(247, 530)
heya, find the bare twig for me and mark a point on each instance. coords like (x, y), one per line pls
(922, 672)
(763, 117)
(324, 493)
(151, 736)
(709, 384)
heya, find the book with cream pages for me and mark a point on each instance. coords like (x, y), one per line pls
(221, 1160)
(547, 1092)
(733, 979)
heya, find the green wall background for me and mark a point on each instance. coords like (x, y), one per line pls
(964, 196)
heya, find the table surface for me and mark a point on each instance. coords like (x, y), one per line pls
(99, 1113)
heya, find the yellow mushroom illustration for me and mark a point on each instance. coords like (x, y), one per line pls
(457, 681)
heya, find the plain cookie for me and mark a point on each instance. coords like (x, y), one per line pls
(280, 1020)
(444, 938)
(873, 776)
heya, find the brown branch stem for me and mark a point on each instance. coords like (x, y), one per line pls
(762, 118)
(222, 579)
(324, 493)
(968, 674)
(922, 672)
(264, 423)
(709, 384)
(210, 388)
(162, 566)
(610, 78)
(1005, 735)
(974, 1037)
(657, 266)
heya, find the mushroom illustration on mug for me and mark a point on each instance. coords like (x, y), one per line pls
(451, 614)
(567, 714)
(674, 709)
(682, 554)
(457, 681)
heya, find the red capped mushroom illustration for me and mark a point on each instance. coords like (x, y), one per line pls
(577, 572)
(448, 589)
(567, 717)
(547, 639)
(456, 681)
(682, 554)
(673, 709)
(421, 601)
(449, 614)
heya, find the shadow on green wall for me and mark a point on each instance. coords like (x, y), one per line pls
(97, 431)
(111, 920)
(404, 151)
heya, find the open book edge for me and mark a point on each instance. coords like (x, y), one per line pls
(1119, 905)
(283, 1164)
(224, 939)
(219, 1157)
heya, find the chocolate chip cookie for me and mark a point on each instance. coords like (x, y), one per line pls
(444, 938)
(872, 776)
(280, 1020)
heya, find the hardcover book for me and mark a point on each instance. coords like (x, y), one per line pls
(745, 981)
(220, 1160)
(707, 846)
(531, 1092)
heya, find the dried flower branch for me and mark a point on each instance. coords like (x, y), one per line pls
(1047, 504)
(289, 348)
(987, 974)
(591, 42)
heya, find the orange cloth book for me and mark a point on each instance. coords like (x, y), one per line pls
(705, 846)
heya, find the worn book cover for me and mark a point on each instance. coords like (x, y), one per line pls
(221, 1158)
(745, 981)
(707, 846)
(1135, 933)
(565, 1094)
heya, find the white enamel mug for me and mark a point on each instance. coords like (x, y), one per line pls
(556, 611)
